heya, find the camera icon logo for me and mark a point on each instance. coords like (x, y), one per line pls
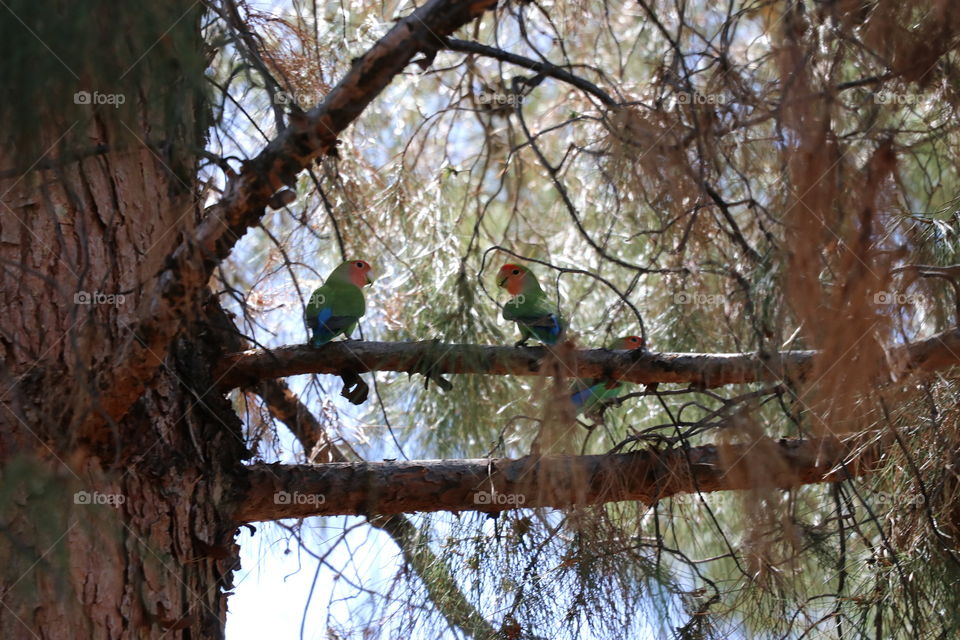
(82, 297)
(81, 97)
(81, 497)
(282, 497)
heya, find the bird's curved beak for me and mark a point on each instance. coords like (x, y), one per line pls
(502, 282)
(370, 277)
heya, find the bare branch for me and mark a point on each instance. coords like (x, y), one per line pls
(278, 491)
(545, 68)
(433, 571)
(701, 369)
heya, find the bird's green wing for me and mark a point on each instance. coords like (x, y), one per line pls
(317, 301)
(527, 308)
(333, 309)
(336, 300)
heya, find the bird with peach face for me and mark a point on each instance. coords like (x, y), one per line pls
(337, 306)
(535, 316)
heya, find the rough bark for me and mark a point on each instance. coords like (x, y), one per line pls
(74, 566)
(699, 369)
(109, 529)
(386, 488)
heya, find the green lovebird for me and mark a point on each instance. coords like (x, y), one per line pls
(535, 317)
(588, 396)
(335, 307)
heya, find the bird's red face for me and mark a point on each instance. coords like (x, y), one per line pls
(361, 274)
(510, 277)
(631, 342)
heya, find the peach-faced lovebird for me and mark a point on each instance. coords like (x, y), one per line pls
(528, 307)
(336, 307)
(588, 396)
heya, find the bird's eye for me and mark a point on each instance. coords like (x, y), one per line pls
(360, 265)
(516, 272)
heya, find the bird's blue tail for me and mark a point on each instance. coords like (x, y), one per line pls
(579, 397)
(321, 333)
(549, 332)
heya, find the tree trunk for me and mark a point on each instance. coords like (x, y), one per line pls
(114, 532)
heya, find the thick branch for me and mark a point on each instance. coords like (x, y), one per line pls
(183, 280)
(707, 370)
(384, 488)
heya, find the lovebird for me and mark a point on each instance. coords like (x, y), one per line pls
(335, 307)
(528, 307)
(588, 396)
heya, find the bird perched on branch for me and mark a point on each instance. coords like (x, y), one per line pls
(335, 307)
(593, 395)
(535, 317)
